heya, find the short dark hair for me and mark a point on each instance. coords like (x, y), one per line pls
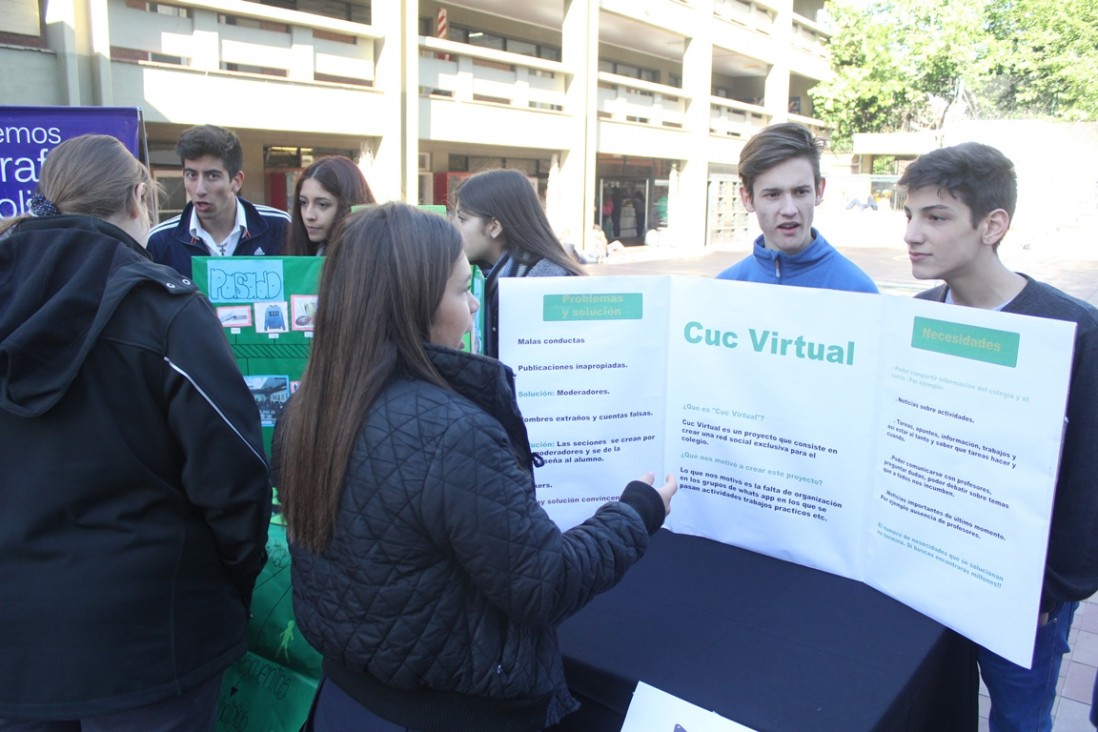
(341, 178)
(977, 174)
(217, 142)
(773, 146)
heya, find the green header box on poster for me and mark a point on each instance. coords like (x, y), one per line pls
(593, 306)
(966, 341)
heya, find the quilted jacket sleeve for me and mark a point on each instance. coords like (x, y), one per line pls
(488, 519)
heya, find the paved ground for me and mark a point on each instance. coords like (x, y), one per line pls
(874, 241)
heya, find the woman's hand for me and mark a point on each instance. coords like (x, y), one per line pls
(666, 490)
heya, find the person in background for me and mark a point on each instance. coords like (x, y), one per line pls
(325, 192)
(136, 492)
(639, 211)
(617, 195)
(782, 185)
(506, 233)
(960, 202)
(216, 221)
(424, 569)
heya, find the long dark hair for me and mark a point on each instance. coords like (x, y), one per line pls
(341, 178)
(507, 196)
(382, 281)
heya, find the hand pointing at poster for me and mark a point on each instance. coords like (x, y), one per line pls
(666, 490)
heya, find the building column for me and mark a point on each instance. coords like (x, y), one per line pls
(687, 216)
(576, 183)
(61, 24)
(100, 35)
(397, 76)
(776, 90)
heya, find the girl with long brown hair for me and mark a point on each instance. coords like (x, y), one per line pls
(424, 569)
(324, 195)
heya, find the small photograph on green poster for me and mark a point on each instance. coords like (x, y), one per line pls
(270, 393)
(235, 316)
(270, 317)
(303, 311)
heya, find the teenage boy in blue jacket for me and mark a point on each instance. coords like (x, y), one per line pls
(960, 201)
(780, 171)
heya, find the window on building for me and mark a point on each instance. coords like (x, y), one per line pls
(633, 72)
(352, 11)
(484, 39)
(281, 156)
(159, 8)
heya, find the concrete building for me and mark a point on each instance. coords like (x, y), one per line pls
(649, 96)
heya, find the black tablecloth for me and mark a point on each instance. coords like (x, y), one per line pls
(770, 644)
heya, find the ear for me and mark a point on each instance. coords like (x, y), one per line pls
(994, 226)
(238, 181)
(820, 191)
(495, 228)
(137, 198)
(748, 200)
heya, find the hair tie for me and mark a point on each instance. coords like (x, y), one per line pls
(41, 206)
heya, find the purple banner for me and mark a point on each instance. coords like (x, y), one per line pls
(27, 134)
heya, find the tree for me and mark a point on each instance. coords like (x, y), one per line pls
(904, 64)
(870, 90)
(1046, 57)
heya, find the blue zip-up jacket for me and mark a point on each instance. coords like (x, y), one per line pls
(817, 265)
(171, 242)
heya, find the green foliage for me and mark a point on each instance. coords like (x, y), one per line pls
(884, 165)
(1046, 57)
(903, 64)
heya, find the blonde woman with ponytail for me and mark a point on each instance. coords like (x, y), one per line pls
(135, 494)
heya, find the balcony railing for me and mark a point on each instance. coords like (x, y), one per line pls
(237, 36)
(737, 120)
(810, 36)
(754, 15)
(625, 99)
(818, 127)
(469, 73)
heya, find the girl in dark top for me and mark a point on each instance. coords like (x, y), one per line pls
(505, 231)
(424, 569)
(325, 192)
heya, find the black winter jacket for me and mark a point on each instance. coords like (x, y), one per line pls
(435, 604)
(135, 494)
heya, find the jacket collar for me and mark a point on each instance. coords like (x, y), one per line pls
(817, 250)
(488, 383)
(253, 222)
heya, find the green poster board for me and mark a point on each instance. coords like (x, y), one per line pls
(267, 306)
(272, 687)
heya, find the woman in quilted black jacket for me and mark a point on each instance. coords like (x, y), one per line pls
(424, 569)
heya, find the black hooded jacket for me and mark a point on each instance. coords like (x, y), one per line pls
(134, 491)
